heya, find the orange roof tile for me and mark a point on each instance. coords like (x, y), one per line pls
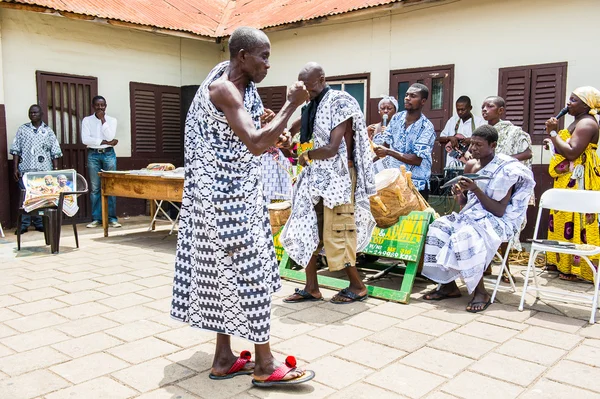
(213, 18)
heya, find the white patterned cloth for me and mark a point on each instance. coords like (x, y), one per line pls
(225, 267)
(36, 147)
(329, 179)
(463, 244)
(277, 181)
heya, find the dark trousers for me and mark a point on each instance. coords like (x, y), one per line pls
(27, 220)
(425, 194)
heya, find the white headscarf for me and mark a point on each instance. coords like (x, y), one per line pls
(390, 99)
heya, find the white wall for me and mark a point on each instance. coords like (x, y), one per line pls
(477, 36)
(116, 56)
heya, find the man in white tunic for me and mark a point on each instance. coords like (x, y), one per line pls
(462, 245)
(225, 268)
(330, 207)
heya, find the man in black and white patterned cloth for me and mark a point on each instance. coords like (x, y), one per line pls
(225, 267)
(330, 207)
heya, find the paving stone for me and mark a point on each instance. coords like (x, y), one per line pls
(149, 272)
(87, 344)
(592, 342)
(102, 387)
(590, 331)
(585, 354)
(312, 390)
(405, 380)
(371, 321)
(78, 312)
(81, 297)
(158, 292)
(553, 338)
(463, 387)
(134, 331)
(5, 351)
(7, 314)
(125, 300)
(205, 387)
(36, 295)
(89, 367)
(78, 328)
(569, 372)
(405, 340)
(120, 289)
(164, 305)
(348, 309)
(78, 286)
(452, 315)
(8, 300)
(25, 362)
(186, 336)
(10, 289)
(131, 314)
(509, 369)
(306, 347)
(298, 306)
(426, 325)
(554, 322)
(31, 385)
(33, 284)
(531, 351)
(171, 392)
(70, 277)
(487, 331)
(156, 281)
(115, 266)
(464, 345)
(198, 358)
(397, 310)
(6, 331)
(36, 321)
(341, 334)
(439, 395)
(369, 354)
(546, 389)
(509, 312)
(286, 328)
(34, 339)
(503, 323)
(337, 373)
(115, 278)
(317, 315)
(443, 363)
(362, 390)
(144, 349)
(153, 374)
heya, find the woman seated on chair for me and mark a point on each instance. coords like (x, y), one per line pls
(575, 165)
(463, 244)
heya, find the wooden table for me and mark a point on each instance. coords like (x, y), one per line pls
(136, 186)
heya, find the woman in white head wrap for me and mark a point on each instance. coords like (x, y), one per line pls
(388, 106)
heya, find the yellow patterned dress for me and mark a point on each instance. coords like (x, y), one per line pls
(574, 227)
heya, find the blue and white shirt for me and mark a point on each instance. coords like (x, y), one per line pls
(417, 139)
(36, 147)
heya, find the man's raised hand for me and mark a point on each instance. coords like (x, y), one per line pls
(297, 94)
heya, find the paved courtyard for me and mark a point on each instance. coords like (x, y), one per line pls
(94, 323)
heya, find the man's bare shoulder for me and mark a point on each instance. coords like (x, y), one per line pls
(224, 94)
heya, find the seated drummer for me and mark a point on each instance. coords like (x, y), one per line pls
(462, 245)
(409, 139)
(331, 200)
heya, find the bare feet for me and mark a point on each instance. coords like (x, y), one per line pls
(567, 277)
(222, 365)
(479, 303)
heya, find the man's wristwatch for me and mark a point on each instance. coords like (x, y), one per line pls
(553, 133)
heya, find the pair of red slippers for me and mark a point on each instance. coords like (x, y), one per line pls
(276, 378)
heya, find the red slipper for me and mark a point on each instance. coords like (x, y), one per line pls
(276, 378)
(236, 369)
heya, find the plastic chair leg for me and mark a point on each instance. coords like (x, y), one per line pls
(19, 231)
(75, 232)
(46, 225)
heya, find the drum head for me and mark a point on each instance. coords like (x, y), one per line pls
(386, 177)
(279, 206)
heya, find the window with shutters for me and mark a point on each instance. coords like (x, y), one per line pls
(155, 122)
(273, 97)
(533, 94)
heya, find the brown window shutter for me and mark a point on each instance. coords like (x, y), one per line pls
(547, 97)
(171, 123)
(515, 89)
(273, 97)
(144, 121)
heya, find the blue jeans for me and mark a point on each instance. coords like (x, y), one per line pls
(106, 161)
(27, 220)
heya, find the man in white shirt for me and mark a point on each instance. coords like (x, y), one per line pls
(458, 131)
(98, 132)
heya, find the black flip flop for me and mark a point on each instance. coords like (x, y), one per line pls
(487, 304)
(441, 296)
(304, 297)
(346, 293)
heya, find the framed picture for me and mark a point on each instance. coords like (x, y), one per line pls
(42, 189)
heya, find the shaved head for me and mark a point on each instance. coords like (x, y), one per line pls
(311, 70)
(497, 100)
(248, 39)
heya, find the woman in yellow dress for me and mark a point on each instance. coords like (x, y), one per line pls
(575, 165)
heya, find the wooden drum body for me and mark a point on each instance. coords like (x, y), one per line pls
(279, 213)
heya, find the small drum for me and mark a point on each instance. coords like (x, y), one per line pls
(396, 196)
(279, 213)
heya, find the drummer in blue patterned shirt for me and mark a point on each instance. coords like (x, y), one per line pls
(409, 139)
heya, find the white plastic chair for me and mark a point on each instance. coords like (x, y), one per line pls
(503, 266)
(578, 201)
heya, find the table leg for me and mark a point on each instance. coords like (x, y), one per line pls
(153, 214)
(105, 214)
